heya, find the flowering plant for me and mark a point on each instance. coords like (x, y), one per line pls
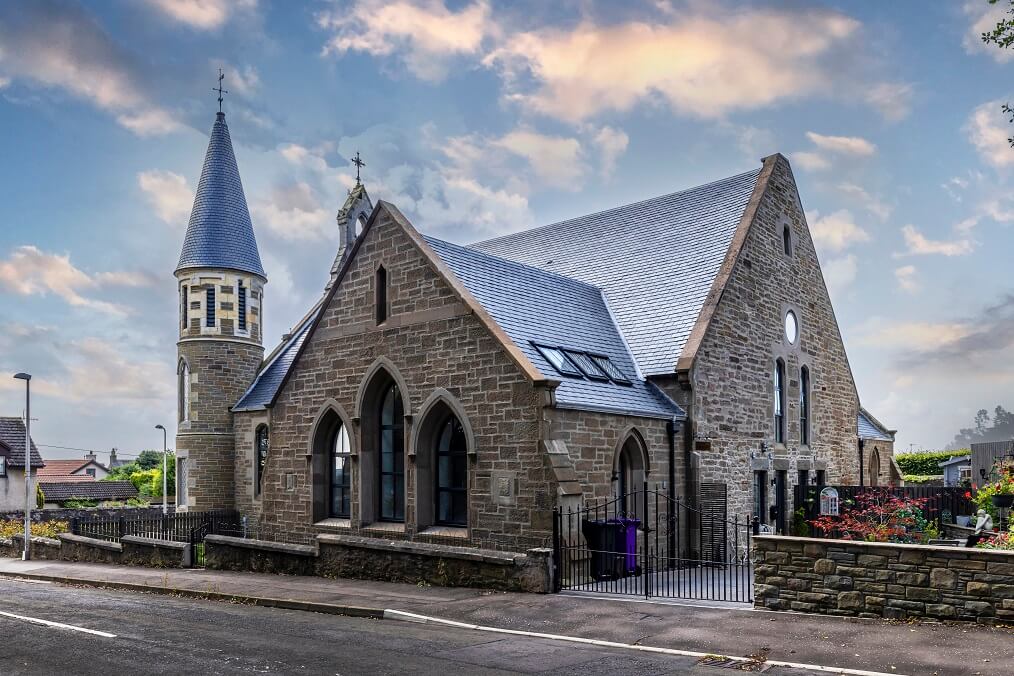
(1002, 485)
(879, 516)
(999, 541)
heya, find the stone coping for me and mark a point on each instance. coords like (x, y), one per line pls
(153, 542)
(91, 542)
(262, 545)
(422, 549)
(35, 538)
(829, 542)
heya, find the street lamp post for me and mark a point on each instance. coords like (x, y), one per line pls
(26, 555)
(165, 472)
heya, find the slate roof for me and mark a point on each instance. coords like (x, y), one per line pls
(655, 260)
(58, 491)
(270, 377)
(220, 233)
(535, 306)
(870, 427)
(12, 433)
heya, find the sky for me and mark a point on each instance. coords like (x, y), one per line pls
(478, 118)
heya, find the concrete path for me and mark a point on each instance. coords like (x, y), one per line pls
(837, 642)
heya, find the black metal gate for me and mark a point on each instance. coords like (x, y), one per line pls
(646, 543)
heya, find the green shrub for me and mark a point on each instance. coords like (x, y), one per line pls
(926, 462)
(79, 503)
(922, 478)
(46, 529)
(799, 526)
(40, 497)
(137, 502)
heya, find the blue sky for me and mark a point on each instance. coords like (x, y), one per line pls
(478, 118)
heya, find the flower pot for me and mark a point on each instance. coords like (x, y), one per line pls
(1003, 500)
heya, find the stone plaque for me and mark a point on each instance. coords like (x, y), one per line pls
(504, 488)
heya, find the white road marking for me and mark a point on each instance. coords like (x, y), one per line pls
(23, 579)
(58, 625)
(414, 617)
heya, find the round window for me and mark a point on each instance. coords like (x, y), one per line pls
(791, 327)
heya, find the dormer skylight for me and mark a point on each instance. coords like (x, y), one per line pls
(578, 364)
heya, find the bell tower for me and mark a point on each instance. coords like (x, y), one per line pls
(220, 285)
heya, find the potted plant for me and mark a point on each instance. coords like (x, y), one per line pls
(998, 493)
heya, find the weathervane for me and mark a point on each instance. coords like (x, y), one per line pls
(219, 89)
(359, 165)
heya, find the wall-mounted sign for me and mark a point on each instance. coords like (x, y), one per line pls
(829, 501)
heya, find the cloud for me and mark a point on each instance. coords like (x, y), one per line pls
(611, 143)
(201, 14)
(30, 271)
(836, 231)
(294, 212)
(892, 99)
(987, 129)
(906, 277)
(168, 193)
(919, 245)
(811, 161)
(556, 160)
(982, 18)
(907, 336)
(425, 35)
(63, 47)
(703, 64)
(872, 204)
(843, 145)
(839, 273)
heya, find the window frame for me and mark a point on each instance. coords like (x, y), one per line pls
(3, 466)
(210, 307)
(380, 294)
(586, 365)
(787, 240)
(397, 453)
(344, 511)
(183, 394)
(779, 401)
(184, 308)
(458, 456)
(572, 369)
(760, 495)
(609, 368)
(261, 456)
(241, 305)
(804, 405)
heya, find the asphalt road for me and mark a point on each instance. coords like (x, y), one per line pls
(164, 635)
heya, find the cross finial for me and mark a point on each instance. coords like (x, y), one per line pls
(221, 76)
(359, 165)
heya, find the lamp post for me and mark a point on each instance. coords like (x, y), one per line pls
(26, 555)
(165, 472)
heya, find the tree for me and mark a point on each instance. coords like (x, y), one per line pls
(149, 459)
(998, 428)
(1002, 36)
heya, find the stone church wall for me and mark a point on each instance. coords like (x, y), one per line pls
(433, 342)
(248, 500)
(733, 374)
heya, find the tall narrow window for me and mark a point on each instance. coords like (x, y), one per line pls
(261, 456)
(209, 307)
(381, 294)
(3, 465)
(821, 477)
(241, 302)
(183, 391)
(184, 308)
(804, 406)
(392, 456)
(779, 402)
(804, 478)
(341, 474)
(787, 240)
(760, 496)
(452, 474)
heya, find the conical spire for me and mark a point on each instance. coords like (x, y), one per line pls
(220, 233)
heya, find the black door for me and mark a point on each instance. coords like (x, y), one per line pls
(781, 482)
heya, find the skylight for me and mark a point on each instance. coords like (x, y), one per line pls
(614, 373)
(558, 360)
(587, 365)
(576, 363)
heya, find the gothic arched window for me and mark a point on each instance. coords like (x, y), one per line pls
(787, 240)
(341, 474)
(183, 392)
(804, 406)
(779, 402)
(260, 456)
(452, 474)
(392, 455)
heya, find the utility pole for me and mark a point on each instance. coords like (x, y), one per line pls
(165, 472)
(26, 555)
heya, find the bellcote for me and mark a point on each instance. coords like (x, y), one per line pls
(351, 218)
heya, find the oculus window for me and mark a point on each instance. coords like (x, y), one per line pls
(791, 327)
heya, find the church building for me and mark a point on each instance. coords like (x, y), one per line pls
(446, 393)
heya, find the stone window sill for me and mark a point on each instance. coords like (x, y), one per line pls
(385, 526)
(446, 532)
(334, 523)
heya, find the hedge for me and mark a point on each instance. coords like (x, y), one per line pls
(926, 462)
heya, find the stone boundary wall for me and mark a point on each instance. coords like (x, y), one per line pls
(44, 515)
(350, 556)
(875, 579)
(132, 550)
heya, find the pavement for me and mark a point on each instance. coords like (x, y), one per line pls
(826, 644)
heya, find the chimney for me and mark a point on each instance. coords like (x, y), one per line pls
(112, 458)
(90, 456)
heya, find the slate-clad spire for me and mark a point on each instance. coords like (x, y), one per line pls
(220, 234)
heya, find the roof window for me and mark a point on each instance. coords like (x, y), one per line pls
(587, 365)
(614, 373)
(582, 364)
(558, 360)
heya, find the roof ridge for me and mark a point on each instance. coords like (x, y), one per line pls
(617, 208)
(509, 261)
